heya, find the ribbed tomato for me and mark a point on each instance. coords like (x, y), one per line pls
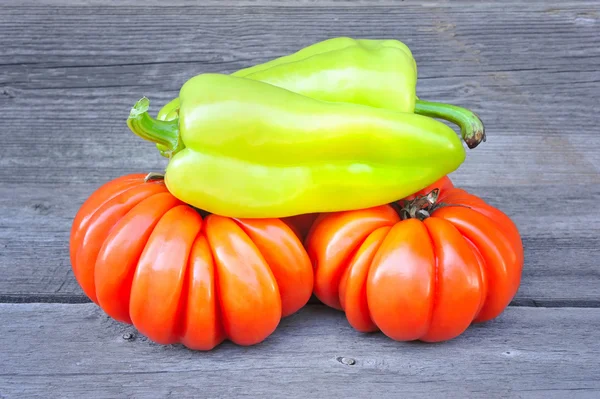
(421, 269)
(179, 275)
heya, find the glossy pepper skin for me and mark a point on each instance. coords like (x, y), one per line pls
(378, 73)
(420, 270)
(244, 148)
(181, 276)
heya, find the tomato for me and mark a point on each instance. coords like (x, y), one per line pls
(181, 276)
(422, 269)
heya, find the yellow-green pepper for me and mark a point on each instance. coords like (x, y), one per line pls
(245, 148)
(378, 73)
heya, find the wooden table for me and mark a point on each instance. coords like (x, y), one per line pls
(71, 70)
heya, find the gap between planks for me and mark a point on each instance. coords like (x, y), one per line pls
(81, 299)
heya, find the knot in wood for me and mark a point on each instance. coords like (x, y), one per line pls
(348, 361)
(128, 336)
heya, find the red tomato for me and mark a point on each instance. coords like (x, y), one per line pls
(424, 276)
(150, 260)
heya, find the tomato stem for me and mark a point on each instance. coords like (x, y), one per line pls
(421, 207)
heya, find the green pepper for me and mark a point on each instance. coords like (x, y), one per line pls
(245, 148)
(378, 73)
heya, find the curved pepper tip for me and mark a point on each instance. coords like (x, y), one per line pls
(471, 125)
(475, 134)
(139, 108)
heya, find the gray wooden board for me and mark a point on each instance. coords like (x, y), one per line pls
(69, 74)
(76, 351)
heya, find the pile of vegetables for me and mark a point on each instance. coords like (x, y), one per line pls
(319, 172)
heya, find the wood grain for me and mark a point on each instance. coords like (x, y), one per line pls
(533, 5)
(74, 351)
(70, 72)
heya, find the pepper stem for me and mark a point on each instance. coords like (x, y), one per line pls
(165, 133)
(471, 127)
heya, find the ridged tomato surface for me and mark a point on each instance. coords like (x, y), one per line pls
(150, 260)
(418, 278)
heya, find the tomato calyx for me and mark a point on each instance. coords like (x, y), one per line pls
(421, 207)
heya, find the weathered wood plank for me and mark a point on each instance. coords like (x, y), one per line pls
(67, 83)
(72, 350)
(533, 5)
